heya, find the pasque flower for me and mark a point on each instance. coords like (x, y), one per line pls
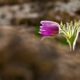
(49, 28)
(69, 30)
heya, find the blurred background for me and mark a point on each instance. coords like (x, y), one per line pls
(30, 12)
(23, 56)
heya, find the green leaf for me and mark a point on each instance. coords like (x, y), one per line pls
(37, 31)
(70, 31)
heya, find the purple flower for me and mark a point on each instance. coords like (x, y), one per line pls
(49, 28)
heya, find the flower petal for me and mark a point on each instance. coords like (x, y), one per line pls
(49, 28)
(49, 23)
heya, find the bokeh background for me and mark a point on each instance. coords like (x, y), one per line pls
(23, 56)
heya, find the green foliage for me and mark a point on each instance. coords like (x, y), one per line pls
(62, 40)
(70, 31)
(37, 31)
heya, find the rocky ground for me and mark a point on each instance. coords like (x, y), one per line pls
(23, 56)
(32, 12)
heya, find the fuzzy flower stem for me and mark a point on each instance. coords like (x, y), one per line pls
(71, 31)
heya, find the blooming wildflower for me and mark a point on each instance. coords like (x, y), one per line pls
(69, 30)
(49, 28)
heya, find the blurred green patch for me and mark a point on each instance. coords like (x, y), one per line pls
(62, 40)
(37, 28)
